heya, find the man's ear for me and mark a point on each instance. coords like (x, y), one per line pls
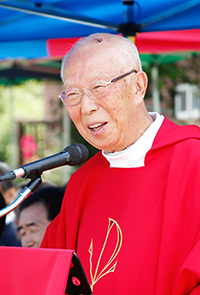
(141, 82)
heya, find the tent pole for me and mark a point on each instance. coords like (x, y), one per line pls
(155, 90)
(12, 146)
(66, 142)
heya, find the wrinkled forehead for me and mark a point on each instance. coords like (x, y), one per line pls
(89, 51)
(89, 58)
(96, 43)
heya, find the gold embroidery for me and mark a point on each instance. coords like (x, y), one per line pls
(96, 277)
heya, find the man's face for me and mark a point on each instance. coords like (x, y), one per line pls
(110, 122)
(32, 225)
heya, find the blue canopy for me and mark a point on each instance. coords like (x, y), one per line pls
(40, 20)
(26, 26)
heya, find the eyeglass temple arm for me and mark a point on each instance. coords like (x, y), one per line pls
(122, 76)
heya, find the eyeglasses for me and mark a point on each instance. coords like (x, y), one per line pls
(96, 89)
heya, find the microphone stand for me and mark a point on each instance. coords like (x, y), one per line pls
(31, 186)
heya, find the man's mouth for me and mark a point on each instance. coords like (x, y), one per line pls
(97, 126)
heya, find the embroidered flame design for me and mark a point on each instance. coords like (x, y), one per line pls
(106, 270)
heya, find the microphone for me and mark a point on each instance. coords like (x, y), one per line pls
(73, 155)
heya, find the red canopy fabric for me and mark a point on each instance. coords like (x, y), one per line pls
(57, 48)
(29, 271)
(169, 41)
(153, 42)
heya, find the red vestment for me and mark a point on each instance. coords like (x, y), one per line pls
(137, 230)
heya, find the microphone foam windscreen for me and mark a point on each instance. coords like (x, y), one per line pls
(78, 153)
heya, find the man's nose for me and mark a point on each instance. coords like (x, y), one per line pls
(88, 104)
(27, 241)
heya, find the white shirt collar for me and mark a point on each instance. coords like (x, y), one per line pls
(134, 155)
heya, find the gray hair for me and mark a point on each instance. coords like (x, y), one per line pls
(129, 54)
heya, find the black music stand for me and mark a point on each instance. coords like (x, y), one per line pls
(77, 282)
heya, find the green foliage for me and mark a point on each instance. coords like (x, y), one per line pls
(27, 100)
(171, 74)
(5, 114)
(17, 102)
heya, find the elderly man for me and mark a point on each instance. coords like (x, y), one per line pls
(132, 212)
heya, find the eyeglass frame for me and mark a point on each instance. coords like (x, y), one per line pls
(90, 94)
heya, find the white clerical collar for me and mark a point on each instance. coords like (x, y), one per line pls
(134, 155)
